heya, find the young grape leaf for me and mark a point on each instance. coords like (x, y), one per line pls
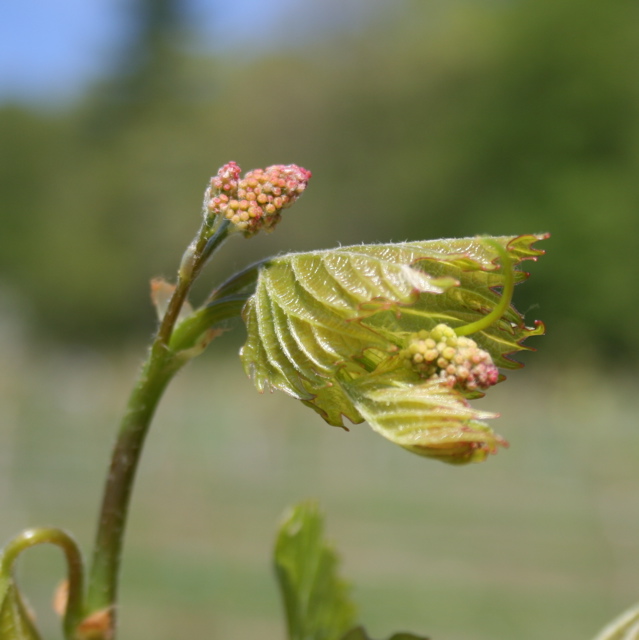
(430, 419)
(359, 633)
(315, 598)
(326, 327)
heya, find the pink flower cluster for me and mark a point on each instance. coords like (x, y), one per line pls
(255, 201)
(456, 360)
(227, 179)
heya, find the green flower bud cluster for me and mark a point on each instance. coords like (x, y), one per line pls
(456, 360)
(255, 202)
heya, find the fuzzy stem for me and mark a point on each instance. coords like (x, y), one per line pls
(158, 370)
(504, 300)
(103, 577)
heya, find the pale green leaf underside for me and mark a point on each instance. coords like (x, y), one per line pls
(320, 321)
(429, 419)
(316, 600)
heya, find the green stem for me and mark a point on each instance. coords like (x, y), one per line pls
(160, 367)
(504, 301)
(74, 611)
(193, 260)
(238, 282)
(103, 576)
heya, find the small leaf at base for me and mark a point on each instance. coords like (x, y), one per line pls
(359, 633)
(316, 600)
(15, 621)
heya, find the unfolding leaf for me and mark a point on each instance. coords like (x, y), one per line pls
(306, 318)
(325, 326)
(315, 598)
(429, 419)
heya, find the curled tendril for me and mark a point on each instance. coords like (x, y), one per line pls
(73, 608)
(506, 295)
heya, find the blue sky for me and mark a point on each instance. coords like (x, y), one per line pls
(51, 49)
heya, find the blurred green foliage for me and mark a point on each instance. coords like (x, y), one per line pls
(437, 118)
(540, 541)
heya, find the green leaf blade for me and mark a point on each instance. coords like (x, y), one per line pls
(316, 600)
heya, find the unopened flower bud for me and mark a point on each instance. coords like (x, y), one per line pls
(255, 202)
(222, 190)
(225, 182)
(456, 360)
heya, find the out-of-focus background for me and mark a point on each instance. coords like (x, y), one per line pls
(419, 119)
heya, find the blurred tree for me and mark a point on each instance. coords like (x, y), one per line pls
(435, 119)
